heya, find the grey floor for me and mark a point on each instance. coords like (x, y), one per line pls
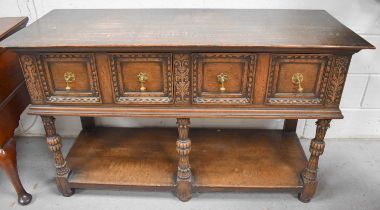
(349, 179)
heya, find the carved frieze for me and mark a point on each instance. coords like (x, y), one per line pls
(244, 97)
(122, 97)
(30, 71)
(182, 78)
(298, 98)
(336, 80)
(93, 96)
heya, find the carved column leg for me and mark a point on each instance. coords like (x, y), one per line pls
(309, 175)
(8, 162)
(54, 144)
(183, 187)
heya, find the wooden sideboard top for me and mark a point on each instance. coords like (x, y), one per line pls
(9, 24)
(188, 29)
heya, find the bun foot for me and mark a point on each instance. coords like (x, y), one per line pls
(24, 199)
(184, 191)
(68, 192)
(303, 198)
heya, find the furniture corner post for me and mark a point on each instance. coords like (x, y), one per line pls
(184, 184)
(88, 123)
(309, 174)
(54, 142)
(290, 125)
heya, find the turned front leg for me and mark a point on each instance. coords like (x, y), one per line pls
(183, 187)
(54, 142)
(309, 174)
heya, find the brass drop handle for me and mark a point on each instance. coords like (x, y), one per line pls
(222, 78)
(297, 80)
(142, 77)
(69, 78)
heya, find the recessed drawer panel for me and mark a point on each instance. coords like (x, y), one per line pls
(142, 78)
(69, 78)
(297, 79)
(223, 78)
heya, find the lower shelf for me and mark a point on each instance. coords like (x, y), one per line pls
(236, 159)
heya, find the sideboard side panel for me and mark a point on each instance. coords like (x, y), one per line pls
(32, 80)
(336, 80)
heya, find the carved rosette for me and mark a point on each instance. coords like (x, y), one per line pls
(317, 147)
(182, 78)
(336, 80)
(55, 145)
(29, 67)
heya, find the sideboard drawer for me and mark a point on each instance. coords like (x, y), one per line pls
(223, 78)
(297, 79)
(142, 78)
(69, 78)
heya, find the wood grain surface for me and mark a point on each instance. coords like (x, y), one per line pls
(9, 25)
(178, 28)
(220, 159)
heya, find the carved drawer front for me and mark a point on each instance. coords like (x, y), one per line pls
(69, 78)
(142, 78)
(298, 79)
(223, 78)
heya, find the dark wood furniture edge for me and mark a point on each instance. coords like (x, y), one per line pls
(290, 125)
(264, 113)
(194, 49)
(15, 28)
(19, 88)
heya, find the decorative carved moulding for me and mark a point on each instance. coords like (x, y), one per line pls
(242, 64)
(182, 63)
(29, 67)
(41, 73)
(281, 91)
(121, 79)
(336, 80)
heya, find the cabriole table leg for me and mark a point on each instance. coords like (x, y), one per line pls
(54, 142)
(183, 185)
(9, 163)
(309, 175)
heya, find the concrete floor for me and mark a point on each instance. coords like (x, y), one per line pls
(349, 179)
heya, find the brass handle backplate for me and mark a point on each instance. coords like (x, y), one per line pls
(69, 78)
(222, 78)
(142, 77)
(297, 80)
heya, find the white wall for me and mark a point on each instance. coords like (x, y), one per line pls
(361, 98)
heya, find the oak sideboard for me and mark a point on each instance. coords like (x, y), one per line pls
(183, 64)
